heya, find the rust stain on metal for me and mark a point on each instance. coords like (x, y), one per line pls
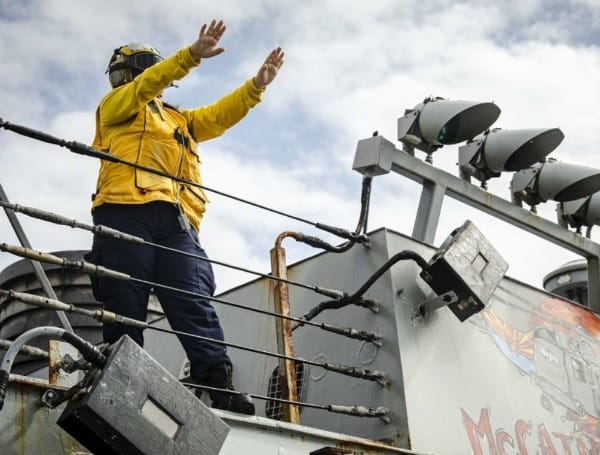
(285, 343)
(31, 427)
(534, 220)
(53, 359)
(26, 380)
(373, 448)
(21, 424)
(488, 199)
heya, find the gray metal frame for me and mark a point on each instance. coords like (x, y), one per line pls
(377, 155)
(37, 267)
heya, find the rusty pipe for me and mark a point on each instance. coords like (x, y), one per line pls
(283, 327)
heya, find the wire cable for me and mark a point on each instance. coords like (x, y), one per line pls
(106, 231)
(337, 304)
(28, 351)
(97, 270)
(86, 150)
(357, 236)
(114, 318)
(358, 411)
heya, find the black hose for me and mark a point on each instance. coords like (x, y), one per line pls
(351, 299)
(3, 386)
(355, 237)
(88, 351)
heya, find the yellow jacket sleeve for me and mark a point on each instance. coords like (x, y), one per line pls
(124, 102)
(133, 124)
(213, 120)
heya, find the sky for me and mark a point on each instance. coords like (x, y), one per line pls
(351, 68)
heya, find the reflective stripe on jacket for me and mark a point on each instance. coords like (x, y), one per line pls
(134, 124)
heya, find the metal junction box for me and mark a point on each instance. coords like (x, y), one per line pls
(134, 406)
(469, 265)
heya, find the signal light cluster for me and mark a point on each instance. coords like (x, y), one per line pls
(487, 153)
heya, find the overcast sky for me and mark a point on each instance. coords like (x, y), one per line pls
(352, 67)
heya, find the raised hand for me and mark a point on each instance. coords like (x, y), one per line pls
(205, 45)
(267, 72)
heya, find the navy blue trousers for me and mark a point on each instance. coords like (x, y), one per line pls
(157, 222)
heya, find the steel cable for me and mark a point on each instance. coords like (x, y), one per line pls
(358, 411)
(113, 318)
(86, 150)
(93, 269)
(114, 233)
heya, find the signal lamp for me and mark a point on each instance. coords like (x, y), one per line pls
(437, 122)
(580, 212)
(554, 180)
(498, 150)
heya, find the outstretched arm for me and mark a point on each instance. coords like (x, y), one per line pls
(206, 44)
(267, 72)
(210, 121)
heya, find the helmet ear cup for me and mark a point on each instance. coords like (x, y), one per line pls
(118, 71)
(119, 76)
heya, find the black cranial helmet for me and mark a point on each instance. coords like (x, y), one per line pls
(130, 60)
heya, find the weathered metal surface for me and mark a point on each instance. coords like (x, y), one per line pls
(507, 380)
(265, 436)
(428, 213)
(17, 317)
(27, 427)
(468, 264)
(347, 272)
(71, 287)
(486, 384)
(37, 267)
(134, 406)
(520, 376)
(57, 351)
(285, 341)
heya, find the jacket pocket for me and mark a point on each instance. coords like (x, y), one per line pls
(160, 156)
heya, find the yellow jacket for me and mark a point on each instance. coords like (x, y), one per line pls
(134, 124)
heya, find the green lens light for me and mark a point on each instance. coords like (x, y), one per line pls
(449, 131)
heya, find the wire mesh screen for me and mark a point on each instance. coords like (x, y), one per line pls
(274, 409)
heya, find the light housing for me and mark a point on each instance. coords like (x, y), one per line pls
(580, 212)
(437, 122)
(499, 150)
(554, 180)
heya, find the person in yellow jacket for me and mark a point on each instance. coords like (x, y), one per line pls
(135, 124)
